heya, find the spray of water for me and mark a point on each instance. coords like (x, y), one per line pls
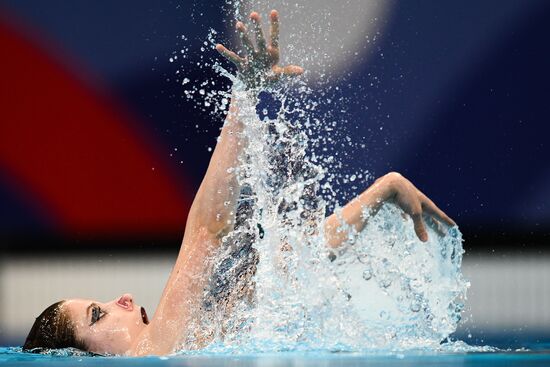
(276, 286)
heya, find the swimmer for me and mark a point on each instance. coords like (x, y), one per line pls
(121, 326)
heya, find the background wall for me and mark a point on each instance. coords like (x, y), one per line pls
(100, 155)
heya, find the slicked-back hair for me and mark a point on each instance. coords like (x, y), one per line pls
(53, 329)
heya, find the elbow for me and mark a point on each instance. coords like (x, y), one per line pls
(391, 179)
(210, 216)
(218, 227)
(211, 221)
(393, 176)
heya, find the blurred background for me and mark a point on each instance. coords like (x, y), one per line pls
(101, 153)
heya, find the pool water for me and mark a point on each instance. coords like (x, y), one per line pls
(539, 355)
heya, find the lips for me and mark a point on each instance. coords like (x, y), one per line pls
(144, 316)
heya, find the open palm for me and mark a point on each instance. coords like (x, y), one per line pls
(260, 65)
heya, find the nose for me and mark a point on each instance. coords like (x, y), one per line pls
(126, 302)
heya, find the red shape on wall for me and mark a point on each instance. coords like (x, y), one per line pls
(85, 159)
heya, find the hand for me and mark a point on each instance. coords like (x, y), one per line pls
(413, 202)
(260, 65)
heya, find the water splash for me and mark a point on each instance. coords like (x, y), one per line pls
(276, 286)
(384, 289)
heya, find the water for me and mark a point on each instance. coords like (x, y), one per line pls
(13, 356)
(383, 289)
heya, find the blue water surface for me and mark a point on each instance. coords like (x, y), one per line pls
(539, 355)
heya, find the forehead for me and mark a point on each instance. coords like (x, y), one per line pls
(77, 309)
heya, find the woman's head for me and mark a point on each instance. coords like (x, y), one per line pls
(52, 329)
(104, 328)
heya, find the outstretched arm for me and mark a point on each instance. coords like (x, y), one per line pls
(390, 188)
(209, 218)
(177, 319)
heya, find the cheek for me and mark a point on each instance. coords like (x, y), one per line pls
(117, 334)
(125, 328)
(112, 338)
(116, 341)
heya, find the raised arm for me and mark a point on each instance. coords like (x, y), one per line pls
(177, 320)
(180, 305)
(392, 187)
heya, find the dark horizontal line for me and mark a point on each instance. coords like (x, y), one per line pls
(51, 245)
(476, 241)
(488, 240)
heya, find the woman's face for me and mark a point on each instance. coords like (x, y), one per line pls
(107, 328)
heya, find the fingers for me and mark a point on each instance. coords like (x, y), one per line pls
(273, 55)
(274, 30)
(430, 208)
(293, 70)
(261, 62)
(247, 43)
(435, 225)
(419, 227)
(289, 70)
(260, 39)
(230, 55)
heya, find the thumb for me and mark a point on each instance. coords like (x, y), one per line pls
(419, 227)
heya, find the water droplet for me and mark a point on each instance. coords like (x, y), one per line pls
(367, 274)
(415, 306)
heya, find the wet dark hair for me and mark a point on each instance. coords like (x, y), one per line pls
(53, 329)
